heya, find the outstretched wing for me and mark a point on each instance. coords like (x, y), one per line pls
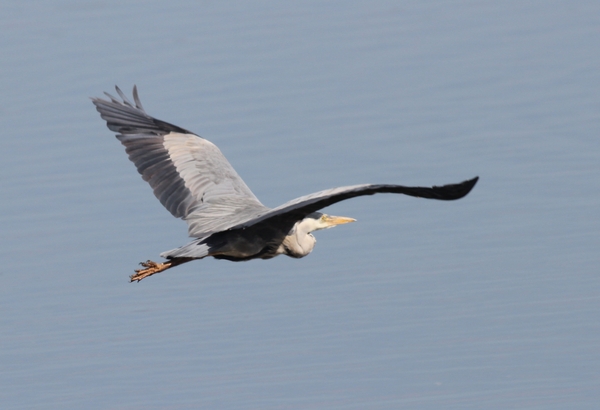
(189, 175)
(299, 208)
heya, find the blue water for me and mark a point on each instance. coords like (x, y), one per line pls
(488, 302)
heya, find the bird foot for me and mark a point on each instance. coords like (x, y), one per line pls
(151, 269)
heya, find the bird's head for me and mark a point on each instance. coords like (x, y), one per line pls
(318, 220)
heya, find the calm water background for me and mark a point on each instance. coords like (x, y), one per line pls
(488, 302)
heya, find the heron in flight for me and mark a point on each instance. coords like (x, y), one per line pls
(195, 182)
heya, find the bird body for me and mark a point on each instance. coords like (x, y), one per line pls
(194, 181)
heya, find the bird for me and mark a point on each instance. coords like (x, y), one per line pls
(194, 181)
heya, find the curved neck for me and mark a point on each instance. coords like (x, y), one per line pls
(299, 242)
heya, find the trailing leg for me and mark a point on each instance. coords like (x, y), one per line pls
(153, 267)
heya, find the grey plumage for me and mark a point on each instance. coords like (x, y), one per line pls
(194, 181)
(189, 175)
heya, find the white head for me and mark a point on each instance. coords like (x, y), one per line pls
(300, 242)
(317, 221)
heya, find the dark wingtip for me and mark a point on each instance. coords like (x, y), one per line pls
(461, 190)
(471, 182)
(449, 192)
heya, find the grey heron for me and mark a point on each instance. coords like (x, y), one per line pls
(195, 182)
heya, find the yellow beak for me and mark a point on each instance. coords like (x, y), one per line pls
(338, 220)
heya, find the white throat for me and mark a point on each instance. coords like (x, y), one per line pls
(300, 242)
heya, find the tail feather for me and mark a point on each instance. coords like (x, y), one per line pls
(196, 249)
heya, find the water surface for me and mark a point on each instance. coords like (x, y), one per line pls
(487, 302)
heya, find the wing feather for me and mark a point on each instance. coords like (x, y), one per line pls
(188, 174)
(299, 208)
